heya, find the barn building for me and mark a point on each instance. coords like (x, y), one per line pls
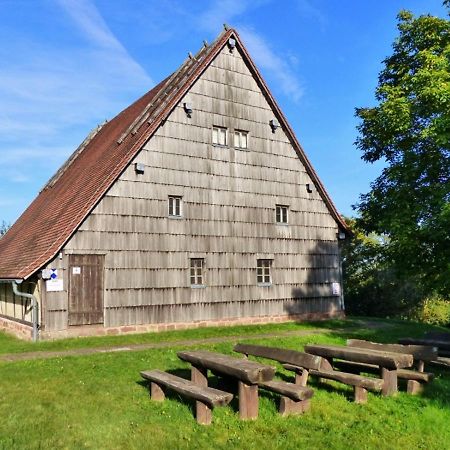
(194, 206)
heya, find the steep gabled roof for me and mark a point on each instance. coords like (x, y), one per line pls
(60, 208)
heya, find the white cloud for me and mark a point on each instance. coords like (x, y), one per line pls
(52, 94)
(279, 67)
(312, 12)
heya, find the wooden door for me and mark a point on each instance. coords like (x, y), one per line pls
(86, 289)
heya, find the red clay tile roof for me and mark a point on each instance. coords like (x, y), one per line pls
(59, 209)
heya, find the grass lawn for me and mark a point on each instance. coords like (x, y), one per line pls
(100, 402)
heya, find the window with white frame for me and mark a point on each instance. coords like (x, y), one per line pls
(281, 214)
(219, 136)
(197, 271)
(263, 271)
(175, 206)
(240, 139)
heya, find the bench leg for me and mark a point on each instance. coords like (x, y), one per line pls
(360, 394)
(420, 366)
(156, 392)
(203, 413)
(199, 376)
(326, 364)
(289, 406)
(390, 386)
(301, 378)
(414, 387)
(248, 401)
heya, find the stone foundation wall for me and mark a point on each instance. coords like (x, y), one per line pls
(18, 329)
(99, 330)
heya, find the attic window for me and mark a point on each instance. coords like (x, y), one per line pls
(219, 136)
(281, 214)
(174, 206)
(240, 139)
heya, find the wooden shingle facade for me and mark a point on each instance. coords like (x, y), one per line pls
(216, 216)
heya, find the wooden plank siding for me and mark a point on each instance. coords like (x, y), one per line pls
(14, 306)
(229, 197)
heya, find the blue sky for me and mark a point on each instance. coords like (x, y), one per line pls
(67, 65)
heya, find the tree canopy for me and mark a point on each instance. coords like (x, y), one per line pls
(4, 227)
(409, 129)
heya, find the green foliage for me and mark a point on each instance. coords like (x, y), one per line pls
(372, 284)
(409, 129)
(434, 310)
(4, 227)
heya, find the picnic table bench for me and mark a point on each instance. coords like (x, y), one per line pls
(304, 364)
(248, 374)
(443, 345)
(295, 396)
(415, 378)
(206, 398)
(388, 362)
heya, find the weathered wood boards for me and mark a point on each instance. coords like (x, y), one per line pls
(387, 360)
(282, 355)
(208, 398)
(228, 218)
(443, 346)
(250, 372)
(360, 384)
(291, 390)
(420, 352)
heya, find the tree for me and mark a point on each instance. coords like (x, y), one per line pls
(371, 285)
(409, 129)
(4, 227)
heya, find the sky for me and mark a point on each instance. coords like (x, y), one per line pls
(67, 65)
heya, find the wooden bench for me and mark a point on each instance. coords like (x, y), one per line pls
(303, 361)
(206, 398)
(421, 353)
(443, 345)
(360, 384)
(295, 397)
(304, 364)
(415, 379)
(247, 373)
(388, 362)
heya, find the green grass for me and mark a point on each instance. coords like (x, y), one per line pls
(100, 402)
(9, 344)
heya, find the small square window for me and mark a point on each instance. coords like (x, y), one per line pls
(263, 275)
(219, 136)
(196, 273)
(241, 139)
(281, 214)
(174, 206)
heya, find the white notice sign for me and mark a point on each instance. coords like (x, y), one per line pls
(55, 283)
(76, 270)
(336, 288)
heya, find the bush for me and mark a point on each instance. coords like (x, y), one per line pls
(434, 310)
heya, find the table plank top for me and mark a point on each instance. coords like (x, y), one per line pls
(250, 372)
(388, 360)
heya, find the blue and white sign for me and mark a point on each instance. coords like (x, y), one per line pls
(54, 283)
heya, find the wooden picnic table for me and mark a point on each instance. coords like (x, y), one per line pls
(247, 373)
(388, 362)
